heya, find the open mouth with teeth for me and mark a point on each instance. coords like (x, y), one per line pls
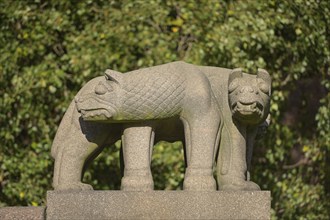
(247, 109)
(95, 114)
(94, 109)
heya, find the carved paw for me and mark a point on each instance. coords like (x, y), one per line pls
(240, 186)
(137, 183)
(74, 186)
(199, 183)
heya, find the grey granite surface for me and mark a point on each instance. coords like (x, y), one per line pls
(206, 107)
(158, 205)
(22, 213)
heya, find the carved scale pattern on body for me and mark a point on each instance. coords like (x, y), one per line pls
(152, 94)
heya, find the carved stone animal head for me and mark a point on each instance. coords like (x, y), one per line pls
(249, 96)
(101, 103)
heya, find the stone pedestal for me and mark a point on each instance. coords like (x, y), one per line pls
(158, 205)
(19, 213)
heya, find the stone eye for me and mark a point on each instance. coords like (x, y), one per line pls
(264, 87)
(100, 89)
(232, 86)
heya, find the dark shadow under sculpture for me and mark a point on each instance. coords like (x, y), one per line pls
(220, 109)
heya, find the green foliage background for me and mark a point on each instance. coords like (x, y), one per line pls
(49, 49)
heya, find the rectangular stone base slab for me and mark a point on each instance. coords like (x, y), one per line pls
(158, 205)
(19, 213)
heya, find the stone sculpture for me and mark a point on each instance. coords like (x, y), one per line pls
(213, 106)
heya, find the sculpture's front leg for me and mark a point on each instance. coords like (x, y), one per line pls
(201, 139)
(137, 142)
(250, 139)
(232, 160)
(201, 124)
(76, 142)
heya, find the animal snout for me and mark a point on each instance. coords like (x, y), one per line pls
(247, 89)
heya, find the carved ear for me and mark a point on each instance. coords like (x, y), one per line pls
(263, 74)
(114, 76)
(235, 73)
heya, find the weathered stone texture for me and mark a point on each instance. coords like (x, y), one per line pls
(214, 106)
(20, 213)
(158, 205)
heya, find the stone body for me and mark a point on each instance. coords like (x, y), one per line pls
(211, 105)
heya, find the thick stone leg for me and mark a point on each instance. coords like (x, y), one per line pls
(70, 150)
(70, 166)
(137, 141)
(232, 164)
(250, 137)
(200, 144)
(75, 142)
